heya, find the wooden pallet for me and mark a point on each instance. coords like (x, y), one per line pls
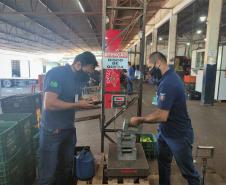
(128, 181)
(115, 181)
(100, 179)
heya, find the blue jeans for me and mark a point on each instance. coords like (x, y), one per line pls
(181, 149)
(129, 86)
(56, 156)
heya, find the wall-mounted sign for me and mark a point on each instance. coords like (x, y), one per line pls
(118, 101)
(115, 60)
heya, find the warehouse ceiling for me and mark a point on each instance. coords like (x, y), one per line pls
(121, 19)
(72, 26)
(50, 25)
(189, 24)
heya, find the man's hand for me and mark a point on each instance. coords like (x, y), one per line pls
(84, 104)
(135, 121)
(92, 98)
(95, 98)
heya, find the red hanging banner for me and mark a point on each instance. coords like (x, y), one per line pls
(112, 40)
(112, 76)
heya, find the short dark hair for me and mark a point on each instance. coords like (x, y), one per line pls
(129, 63)
(153, 57)
(86, 58)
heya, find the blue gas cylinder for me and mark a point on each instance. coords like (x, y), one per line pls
(84, 165)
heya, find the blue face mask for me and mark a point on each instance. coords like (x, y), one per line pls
(156, 75)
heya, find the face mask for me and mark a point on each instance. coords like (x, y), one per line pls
(80, 75)
(155, 75)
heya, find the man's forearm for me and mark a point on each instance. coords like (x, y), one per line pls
(154, 117)
(150, 119)
(59, 105)
(53, 103)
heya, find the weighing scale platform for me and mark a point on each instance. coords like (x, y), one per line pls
(126, 168)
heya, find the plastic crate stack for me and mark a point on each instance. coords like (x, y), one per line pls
(36, 157)
(26, 103)
(11, 167)
(23, 135)
(189, 82)
(149, 143)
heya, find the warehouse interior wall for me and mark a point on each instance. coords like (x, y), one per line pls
(6, 66)
(29, 67)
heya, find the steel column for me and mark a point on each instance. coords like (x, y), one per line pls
(154, 40)
(172, 40)
(135, 54)
(211, 51)
(103, 74)
(141, 63)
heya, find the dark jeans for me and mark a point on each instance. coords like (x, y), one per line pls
(56, 156)
(181, 149)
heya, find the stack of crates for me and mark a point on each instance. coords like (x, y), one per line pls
(27, 103)
(189, 83)
(11, 165)
(36, 157)
(25, 127)
(149, 143)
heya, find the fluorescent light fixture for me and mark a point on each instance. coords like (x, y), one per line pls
(160, 38)
(199, 31)
(188, 44)
(202, 18)
(81, 7)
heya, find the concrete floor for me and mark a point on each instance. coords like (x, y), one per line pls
(209, 123)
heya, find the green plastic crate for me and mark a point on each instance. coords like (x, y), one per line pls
(36, 155)
(26, 103)
(35, 145)
(29, 167)
(37, 163)
(28, 152)
(9, 142)
(25, 122)
(28, 157)
(35, 142)
(30, 176)
(11, 171)
(149, 143)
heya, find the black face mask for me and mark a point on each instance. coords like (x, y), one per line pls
(156, 75)
(82, 76)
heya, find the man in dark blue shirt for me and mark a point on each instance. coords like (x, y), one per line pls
(57, 132)
(175, 136)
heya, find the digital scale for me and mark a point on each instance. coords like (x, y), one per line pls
(126, 158)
